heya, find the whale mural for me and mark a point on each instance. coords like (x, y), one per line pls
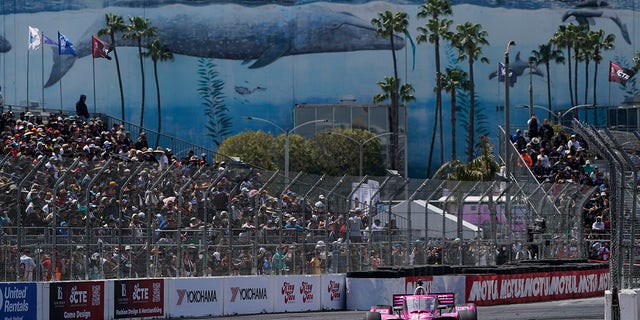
(257, 36)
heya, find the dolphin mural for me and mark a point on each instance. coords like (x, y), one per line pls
(586, 17)
(257, 36)
(519, 67)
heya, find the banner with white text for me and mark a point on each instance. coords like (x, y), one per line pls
(139, 298)
(76, 300)
(18, 301)
(485, 290)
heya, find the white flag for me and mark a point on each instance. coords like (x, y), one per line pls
(35, 40)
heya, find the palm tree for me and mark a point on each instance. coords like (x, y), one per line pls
(138, 29)
(586, 55)
(545, 54)
(158, 52)
(387, 25)
(563, 38)
(469, 40)
(433, 30)
(115, 25)
(601, 43)
(579, 45)
(453, 79)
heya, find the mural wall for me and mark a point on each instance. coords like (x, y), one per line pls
(264, 57)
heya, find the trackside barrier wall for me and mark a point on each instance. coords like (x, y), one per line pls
(629, 300)
(483, 286)
(171, 297)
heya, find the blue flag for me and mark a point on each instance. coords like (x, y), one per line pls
(48, 41)
(501, 75)
(65, 46)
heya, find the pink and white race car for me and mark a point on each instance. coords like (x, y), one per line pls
(431, 306)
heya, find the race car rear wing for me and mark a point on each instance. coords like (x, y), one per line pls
(448, 299)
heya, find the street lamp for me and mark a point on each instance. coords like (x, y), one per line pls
(559, 114)
(286, 139)
(361, 143)
(507, 133)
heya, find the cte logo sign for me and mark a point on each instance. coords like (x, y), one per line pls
(140, 294)
(287, 291)
(306, 290)
(77, 296)
(334, 290)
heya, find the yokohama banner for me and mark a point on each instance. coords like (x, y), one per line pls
(485, 290)
(194, 297)
(247, 295)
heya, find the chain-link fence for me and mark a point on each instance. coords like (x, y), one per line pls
(85, 210)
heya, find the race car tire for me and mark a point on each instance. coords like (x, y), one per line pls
(468, 315)
(372, 316)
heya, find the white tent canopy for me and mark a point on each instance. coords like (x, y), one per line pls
(435, 219)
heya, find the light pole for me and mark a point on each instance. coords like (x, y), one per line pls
(361, 144)
(507, 111)
(286, 140)
(507, 134)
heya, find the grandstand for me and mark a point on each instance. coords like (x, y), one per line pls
(91, 200)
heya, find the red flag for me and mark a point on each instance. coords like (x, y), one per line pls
(100, 48)
(619, 74)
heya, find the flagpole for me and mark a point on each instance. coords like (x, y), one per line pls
(28, 62)
(60, 86)
(42, 71)
(93, 63)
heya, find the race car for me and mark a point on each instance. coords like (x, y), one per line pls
(423, 306)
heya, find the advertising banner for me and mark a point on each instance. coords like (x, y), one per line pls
(485, 290)
(362, 293)
(296, 293)
(194, 297)
(76, 300)
(18, 301)
(138, 298)
(247, 295)
(332, 293)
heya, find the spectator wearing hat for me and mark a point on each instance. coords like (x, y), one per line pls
(519, 140)
(573, 144)
(588, 167)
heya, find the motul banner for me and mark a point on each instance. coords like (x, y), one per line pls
(485, 290)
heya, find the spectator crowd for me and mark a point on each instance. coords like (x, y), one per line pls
(557, 156)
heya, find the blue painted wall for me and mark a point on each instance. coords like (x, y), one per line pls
(269, 56)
